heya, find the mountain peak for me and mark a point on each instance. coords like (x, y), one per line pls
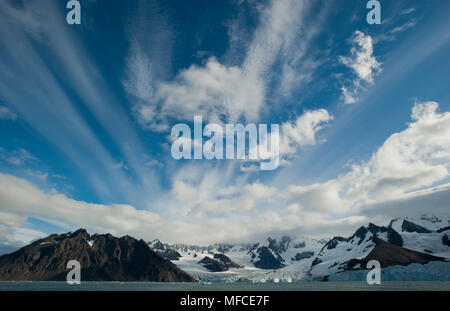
(80, 232)
(108, 258)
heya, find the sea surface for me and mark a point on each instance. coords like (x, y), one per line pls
(161, 286)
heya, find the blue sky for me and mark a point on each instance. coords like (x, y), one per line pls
(86, 112)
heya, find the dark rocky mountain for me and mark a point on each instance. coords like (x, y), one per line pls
(443, 229)
(164, 250)
(170, 254)
(212, 264)
(102, 258)
(281, 246)
(300, 245)
(220, 262)
(392, 236)
(264, 258)
(409, 226)
(226, 261)
(302, 255)
(445, 240)
(269, 257)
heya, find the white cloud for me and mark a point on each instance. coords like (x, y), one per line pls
(213, 91)
(349, 96)
(409, 160)
(183, 191)
(20, 199)
(7, 114)
(362, 62)
(240, 199)
(37, 174)
(319, 198)
(13, 238)
(293, 136)
(431, 201)
(303, 131)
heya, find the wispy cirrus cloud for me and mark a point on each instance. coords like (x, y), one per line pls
(221, 91)
(7, 114)
(17, 157)
(55, 113)
(408, 11)
(393, 33)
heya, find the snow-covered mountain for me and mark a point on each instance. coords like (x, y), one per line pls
(289, 257)
(404, 242)
(424, 234)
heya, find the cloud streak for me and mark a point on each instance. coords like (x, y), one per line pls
(7, 114)
(54, 108)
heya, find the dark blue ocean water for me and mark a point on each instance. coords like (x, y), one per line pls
(160, 286)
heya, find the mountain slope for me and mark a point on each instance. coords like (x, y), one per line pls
(102, 258)
(424, 234)
(391, 255)
(383, 244)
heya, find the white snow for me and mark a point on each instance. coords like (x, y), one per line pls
(425, 242)
(241, 254)
(332, 259)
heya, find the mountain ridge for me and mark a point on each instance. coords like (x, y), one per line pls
(420, 242)
(102, 257)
